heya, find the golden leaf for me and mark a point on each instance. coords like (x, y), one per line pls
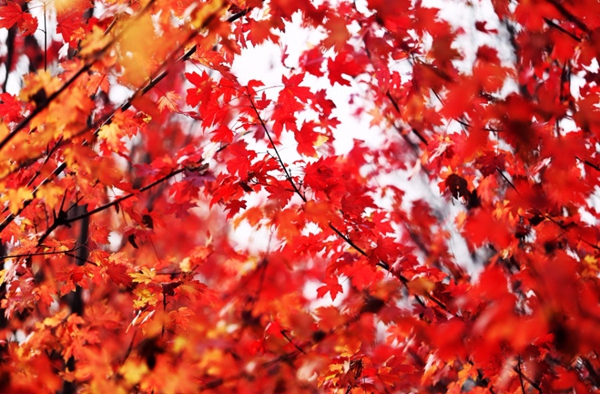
(144, 277)
(136, 59)
(17, 197)
(169, 101)
(133, 370)
(208, 12)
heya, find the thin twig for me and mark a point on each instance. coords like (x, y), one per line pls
(288, 176)
(128, 196)
(570, 17)
(528, 380)
(520, 373)
(290, 341)
(561, 29)
(17, 256)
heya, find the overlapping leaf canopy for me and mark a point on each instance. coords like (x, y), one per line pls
(131, 149)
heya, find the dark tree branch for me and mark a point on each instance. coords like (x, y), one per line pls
(75, 299)
(288, 176)
(520, 373)
(290, 341)
(55, 252)
(570, 17)
(561, 29)
(527, 379)
(128, 196)
(10, 54)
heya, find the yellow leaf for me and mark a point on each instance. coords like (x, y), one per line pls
(4, 131)
(112, 134)
(56, 320)
(185, 265)
(40, 81)
(421, 285)
(94, 42)
(145, 297)
(50, 194)
(64, 6)
(180, 343)
(321, 139)
(17, 197)
(208, 12)
(144, 277)
(211, 360)
(133, 371)
(135, 59)
(169, 101)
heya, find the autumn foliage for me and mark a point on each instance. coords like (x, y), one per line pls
(171, 226)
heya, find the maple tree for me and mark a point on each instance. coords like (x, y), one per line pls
(123, 269)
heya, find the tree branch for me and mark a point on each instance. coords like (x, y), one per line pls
(561, 29)
(288, 176)
(570, 17)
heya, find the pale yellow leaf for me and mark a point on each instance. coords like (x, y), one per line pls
(169, 101)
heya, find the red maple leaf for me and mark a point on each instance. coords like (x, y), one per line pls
(343, 63)
(331, 286)
(240, 163)
(306, 138)
(10, 14)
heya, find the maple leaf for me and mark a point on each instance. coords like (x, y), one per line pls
(12, 14)
(10, 108)
(17, 198)
(118, 273)
(133, 370)
(337, 33)
(331, 286)
(320, 213)
(72, 277)
(233, 207)
(136, 61)
(252, 215)
(343, 63)
(320, 174)
(260, 31)
(202, 90)
(72, 28)
(292, 92)
(312, 61)
(112, 135)
(222, 134)
(145, 276)
(307, 139)
(169, 101)
(145, 296)
(28, 24)
(240, 163)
